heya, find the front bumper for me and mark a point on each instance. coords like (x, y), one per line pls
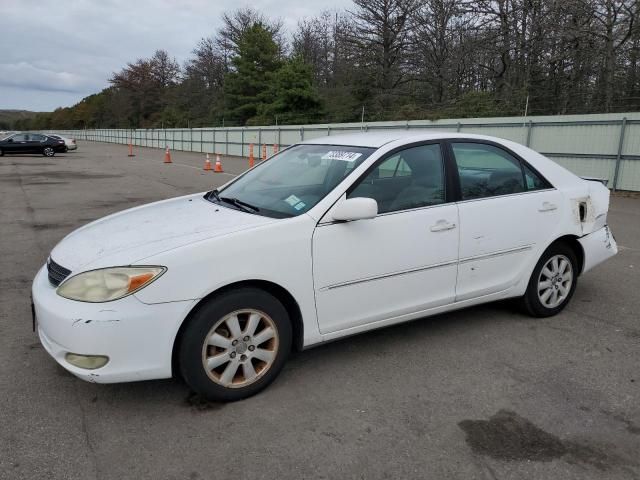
(137, 337)
(598, 247)
(71, 146)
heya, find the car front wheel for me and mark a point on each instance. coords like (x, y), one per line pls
(235, 345)
(552, 282)
(48, 152)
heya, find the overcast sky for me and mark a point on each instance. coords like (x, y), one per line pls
(55, 52)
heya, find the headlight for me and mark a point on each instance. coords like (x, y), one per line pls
(108, 284)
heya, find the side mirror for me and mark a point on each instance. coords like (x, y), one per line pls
(358, 208)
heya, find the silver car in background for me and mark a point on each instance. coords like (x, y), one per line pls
(70, 143)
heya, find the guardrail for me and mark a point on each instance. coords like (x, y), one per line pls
(602, 146)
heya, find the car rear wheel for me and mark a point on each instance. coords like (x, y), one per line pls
(1, 152)
(235, 345)
(48, 152)
(552, 282)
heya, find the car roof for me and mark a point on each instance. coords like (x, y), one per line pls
(378, 138)
(556, 174)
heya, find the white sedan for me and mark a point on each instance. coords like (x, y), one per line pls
(328, 238)
(69, 143)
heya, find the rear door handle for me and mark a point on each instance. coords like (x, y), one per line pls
(442, 225)
(548, 207)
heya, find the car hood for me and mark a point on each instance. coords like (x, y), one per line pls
(132, 235)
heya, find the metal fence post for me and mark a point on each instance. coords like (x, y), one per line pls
(279, 131)
(242, 142)
(459, 127)
(226, 142)
(259, 140)
(529, 128)
(623, 127)
(302, 134)
(214, 140)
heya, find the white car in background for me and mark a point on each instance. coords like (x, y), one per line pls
(69, 143)
(330, 237)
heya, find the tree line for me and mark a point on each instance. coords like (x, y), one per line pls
(382, 60)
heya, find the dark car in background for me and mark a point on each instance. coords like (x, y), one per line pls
(31, 143)
(70, 143)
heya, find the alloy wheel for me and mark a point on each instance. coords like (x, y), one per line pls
(554, 281)
(240, 348)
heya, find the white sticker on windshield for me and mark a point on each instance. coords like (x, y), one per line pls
(341, 155)
(300, 205)
(292, 200)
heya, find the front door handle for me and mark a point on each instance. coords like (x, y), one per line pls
(548, 207)
(442, 225)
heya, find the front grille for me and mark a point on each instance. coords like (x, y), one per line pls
(57, 273)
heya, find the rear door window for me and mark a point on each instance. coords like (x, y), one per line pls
(487, 171)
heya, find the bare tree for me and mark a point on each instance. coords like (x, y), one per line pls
(381, 32)
(615, 20)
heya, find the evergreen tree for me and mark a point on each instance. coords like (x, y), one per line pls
(254, 67)
(291, 97)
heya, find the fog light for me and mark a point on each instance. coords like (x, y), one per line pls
(89, 362)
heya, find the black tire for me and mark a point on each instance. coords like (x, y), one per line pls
(1, 152)
(48, 152)
(532, 302)
(192, 349)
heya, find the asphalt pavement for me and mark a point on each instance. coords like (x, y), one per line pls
(485, 392)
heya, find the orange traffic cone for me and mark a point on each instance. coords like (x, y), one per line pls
(218, 167)
(264, 151)
(207, 163)
(167, 155)
(251, 159)
(130, 149)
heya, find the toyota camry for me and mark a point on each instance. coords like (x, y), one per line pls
(328, 238)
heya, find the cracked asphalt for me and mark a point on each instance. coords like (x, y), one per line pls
(485, 392)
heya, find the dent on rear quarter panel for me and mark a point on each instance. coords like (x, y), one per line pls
(590, 211)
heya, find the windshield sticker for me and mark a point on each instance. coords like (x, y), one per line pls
(300, 205)
(341, 155)
(292, 200)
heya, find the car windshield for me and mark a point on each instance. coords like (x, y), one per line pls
(293, 181)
